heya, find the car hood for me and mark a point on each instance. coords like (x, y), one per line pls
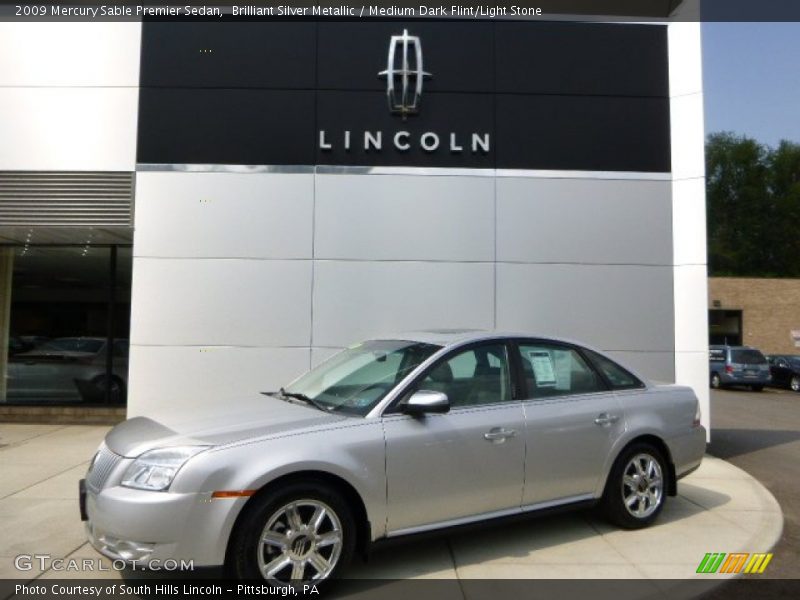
(257, 417)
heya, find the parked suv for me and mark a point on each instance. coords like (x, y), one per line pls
(738, 365)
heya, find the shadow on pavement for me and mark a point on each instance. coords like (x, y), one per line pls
(434, 554)
(727, 443)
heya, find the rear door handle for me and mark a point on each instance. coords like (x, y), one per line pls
(498, 435)
(605, 419)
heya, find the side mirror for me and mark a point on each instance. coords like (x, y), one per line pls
(426, 401)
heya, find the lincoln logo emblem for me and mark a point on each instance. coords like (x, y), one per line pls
(407, 75)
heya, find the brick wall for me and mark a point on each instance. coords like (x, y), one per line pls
(770, 309)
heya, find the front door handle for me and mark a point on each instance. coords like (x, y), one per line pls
(605, 419)
(498, 435)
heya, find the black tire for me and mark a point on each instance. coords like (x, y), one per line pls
(757, 388)
(716, 382)
(245, 550)
(613, 504)
(794, 383)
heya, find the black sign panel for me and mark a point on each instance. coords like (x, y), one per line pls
(225, 126)
(266, 55)
(460, 55)
(592, 133)
(579, 59)
(521, 95)
(441, 135)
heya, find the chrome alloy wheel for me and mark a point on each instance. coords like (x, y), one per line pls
(642, 486)
(794, 384)
(302, 541)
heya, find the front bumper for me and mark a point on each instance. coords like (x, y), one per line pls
(138, 526)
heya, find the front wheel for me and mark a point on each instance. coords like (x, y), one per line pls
(636, 488)
(303, 533)
(757, 388)
(794, 384)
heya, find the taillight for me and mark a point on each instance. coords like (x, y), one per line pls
(697, 416)
(728, 369)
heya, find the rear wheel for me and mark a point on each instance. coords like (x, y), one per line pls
(716, 382)
(794, 384)
(303, 533)
(757, 388)
(636, 488)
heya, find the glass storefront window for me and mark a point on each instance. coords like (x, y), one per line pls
(68, 325)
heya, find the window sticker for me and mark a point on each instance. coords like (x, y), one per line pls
(543, 370)
(563, 370)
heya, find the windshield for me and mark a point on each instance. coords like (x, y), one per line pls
(747, 357)
(356, 379)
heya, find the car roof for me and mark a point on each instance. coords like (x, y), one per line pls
(452, 337)
(723, 346)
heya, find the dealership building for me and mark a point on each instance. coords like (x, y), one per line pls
(194, 211)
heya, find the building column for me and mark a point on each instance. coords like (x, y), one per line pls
(6, 273)
(689, 211)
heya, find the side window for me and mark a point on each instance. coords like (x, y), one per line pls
(473, 377)
(555, 370)
(717, 355)
(620, 378)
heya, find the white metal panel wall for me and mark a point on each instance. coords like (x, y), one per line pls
(224, 215)
(219, 284)
(69, 96)
(76, 54)
(404, 217)
(689, 210)
(584, 221)
(221, 298)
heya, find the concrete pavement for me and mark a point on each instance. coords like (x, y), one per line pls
(720, 508)
(760, 433)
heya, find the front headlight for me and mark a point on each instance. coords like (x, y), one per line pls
(155, 470)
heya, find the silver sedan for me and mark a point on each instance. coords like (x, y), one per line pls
(386, 438)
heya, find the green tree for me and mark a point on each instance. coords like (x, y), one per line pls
(784, 165)
(753, 201)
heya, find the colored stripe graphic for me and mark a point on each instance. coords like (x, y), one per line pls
(758, 563)
(711, 562)
(734, 563)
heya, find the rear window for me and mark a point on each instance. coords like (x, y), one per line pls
(717, 355)
(747, 357)
(619, 378)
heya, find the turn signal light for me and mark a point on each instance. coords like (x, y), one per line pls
(233, 493)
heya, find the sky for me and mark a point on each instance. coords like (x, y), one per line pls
(751, 77)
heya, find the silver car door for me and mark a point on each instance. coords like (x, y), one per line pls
(572, 422)
(443, 467)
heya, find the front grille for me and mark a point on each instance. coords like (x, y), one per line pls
(101, 468)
